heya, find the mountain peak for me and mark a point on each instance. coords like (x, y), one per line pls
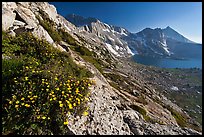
(80, 20)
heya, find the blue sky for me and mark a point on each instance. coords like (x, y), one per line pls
(184, 17)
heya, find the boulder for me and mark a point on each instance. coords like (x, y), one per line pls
(8, 18)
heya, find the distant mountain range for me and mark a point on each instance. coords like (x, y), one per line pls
(151, 42)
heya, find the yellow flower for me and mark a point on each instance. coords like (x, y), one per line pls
(30, 92)
(62, 92)
(74, 104)
(26, 67)
(48, 118)
(61, 105)
(54, 98)
(27, 105)
(57, 88)
(66, 123)
(85, 113)
(56, 78)
(31, 98)
(89, 85)
(33, 101)
(52, 92)
(22, 98)
(38, 117)
(17, 102)
(35, 96)
(14, 96)
(86, 99)
(70, 106)
(43, 117)
(22, 104)
(60, 102)
(47, 89)
(77, 90)
(10, 102)
(16, 106)
(69, 88)
(33, 71)
(51, 99)
(26, 78)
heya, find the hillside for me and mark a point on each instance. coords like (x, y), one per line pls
(60, 80)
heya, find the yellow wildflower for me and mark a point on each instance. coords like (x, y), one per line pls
(31, 98)
(43, 117)
(86, 99)
(26, 67)
(74, 104)
(30, 92)
(51, 99)
(38, 117)
(70, 106)
(60, 102)
(48, 118)
(27, 105)
(56, 78)
(62, 92)
(17, 102)
(66, 123)
(22, 104)
(10, 102)
(89, 85)
(61, 105)
(54, 98)
(85, 113)
(77, 90)
(33, 101)
(35, 96)
(26, 78)
(14, 96)
(52, 92)
(57, 88)
(16, 106)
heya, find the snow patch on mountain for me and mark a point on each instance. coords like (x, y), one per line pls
(107, 25)
(123, 32)
(117, 47)
(106, 30)
(129, 51)
(111, 39)
(110, 48)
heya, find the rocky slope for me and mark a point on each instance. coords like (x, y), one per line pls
(119, 102)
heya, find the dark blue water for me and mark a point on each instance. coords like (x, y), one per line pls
(167, 62)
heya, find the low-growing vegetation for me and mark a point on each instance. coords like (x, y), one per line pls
(40, 87)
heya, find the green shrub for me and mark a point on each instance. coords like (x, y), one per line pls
(139, 109)
(48, 25)
(40, 86)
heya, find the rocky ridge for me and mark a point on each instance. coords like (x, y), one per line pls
(112, 111)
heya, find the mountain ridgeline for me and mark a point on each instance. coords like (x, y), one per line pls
(151, 42)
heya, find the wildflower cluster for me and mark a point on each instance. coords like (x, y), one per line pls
(40, 87)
